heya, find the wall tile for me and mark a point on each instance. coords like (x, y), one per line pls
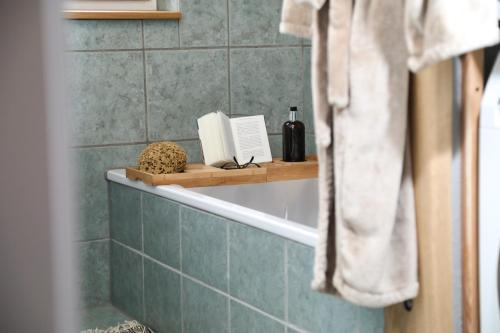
(311, 310)
(307, 115)
(246, 320)
(204, 247)
(204, 23)
(197, 84)
(162, 294)
(94, 272)
(91, 165)
(107, 97)
(102, 316)
(203, 310)
(370, 320)
(256, 22)
(257, 268)
(126, 215)
(167, 4)
(193, 150)
(161, 229)
(103, 34)
(310, 144)
(266, 81)
(161, 34)
(126, 280)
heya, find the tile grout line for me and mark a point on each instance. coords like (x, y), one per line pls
(122, 144)
(108, 202)
(228, 260)
(92, 240)
(286, 279)
(229, 88)
(144, 75)
(203, 284)
(193, 48)
(143, 276)
(179, 214)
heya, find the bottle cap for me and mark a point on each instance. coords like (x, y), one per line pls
(293, 108)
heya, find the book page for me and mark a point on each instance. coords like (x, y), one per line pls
(250, 139)
(226, 136)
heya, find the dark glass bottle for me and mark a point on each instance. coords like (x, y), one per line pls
(294, 140)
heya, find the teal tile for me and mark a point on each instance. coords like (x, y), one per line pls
(101, 317)
(311, 310)
(246, 320)
(310, 144)
(161, 229)
(193, 150)
(126, 215)
(257, 268)
(162, 294)
(370, 320)
(126, 281)
(204, 310)
(161, 34)
(257, 22)
(266, 81)
(167, 4)
(275, 142)
(204, 23)
(107, 97)
(307, 114)
(292, 330)
(94, 272)
(197, 84)
(204, 247)
(91, 165)
(103, 34)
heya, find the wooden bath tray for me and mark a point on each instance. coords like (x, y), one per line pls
(200, 175)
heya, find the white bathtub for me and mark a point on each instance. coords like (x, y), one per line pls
(288, 209)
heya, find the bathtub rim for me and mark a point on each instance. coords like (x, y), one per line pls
(287, 229)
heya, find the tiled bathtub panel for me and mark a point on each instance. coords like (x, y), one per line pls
(126, 215)
(126, 280)
(247, 320)
(161, 226)
(318, 312)
(162, 294)
(94, 272)
(204, 310)
(257, 280)
(204, 247)
(257, 270)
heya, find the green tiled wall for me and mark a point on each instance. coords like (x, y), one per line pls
(133, 82)
(205, 273)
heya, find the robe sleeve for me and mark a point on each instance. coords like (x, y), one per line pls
(296, 19)
(440, 29)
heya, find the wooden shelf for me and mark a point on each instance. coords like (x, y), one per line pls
(200, 175)
(121, 15)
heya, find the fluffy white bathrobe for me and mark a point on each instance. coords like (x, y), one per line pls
(361, 53)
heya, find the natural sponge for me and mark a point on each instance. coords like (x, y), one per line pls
(163, 157)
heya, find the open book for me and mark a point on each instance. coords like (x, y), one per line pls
(223, 138)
